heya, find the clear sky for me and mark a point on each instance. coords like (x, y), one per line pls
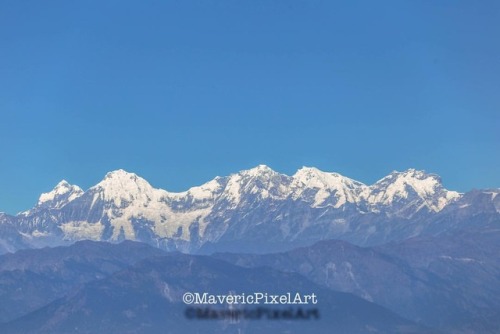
(181, 91)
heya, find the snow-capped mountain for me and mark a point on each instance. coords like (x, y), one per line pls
(254, 210)
(62, 194)
(407, 192)
(325, 189)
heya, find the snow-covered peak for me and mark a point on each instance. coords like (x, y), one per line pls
(206, 191)
(260, 181)
(314, 178)
(413, 173)
(397, 183)
(324, 188)
(62, 193)
(119, 174)
(121, 184)
(260, 170)
(305, 174)
(406, 185)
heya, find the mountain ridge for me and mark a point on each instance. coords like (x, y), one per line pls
(310, 177)
(245, 207)
(144, 294)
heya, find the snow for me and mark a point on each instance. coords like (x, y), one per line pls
(449, 197)
(62, 188)
(129, 200)
(121, 185)
(82, 230)
(326, 185)
(122, 224)
(96, 197)
(39, 234)
(168, 292)
(181, 219)
(257, 171)
(492, 193)
(461, 259)
(261, 181)
(397, 186)
(233, 189)
(205, 191)
(321, 196)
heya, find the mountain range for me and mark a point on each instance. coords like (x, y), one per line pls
(403, 255)
(450, 282)
(255, 210)
(94, 287)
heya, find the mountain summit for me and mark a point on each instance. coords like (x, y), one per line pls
(410, 188)
(325, 188)
(62, 194)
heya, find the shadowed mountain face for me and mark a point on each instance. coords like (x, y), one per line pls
(255, 210)
(10, 238)
(147, 298)
(451, 281)
(468, 264)
(30, 279)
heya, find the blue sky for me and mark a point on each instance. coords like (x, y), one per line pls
(182, 91)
